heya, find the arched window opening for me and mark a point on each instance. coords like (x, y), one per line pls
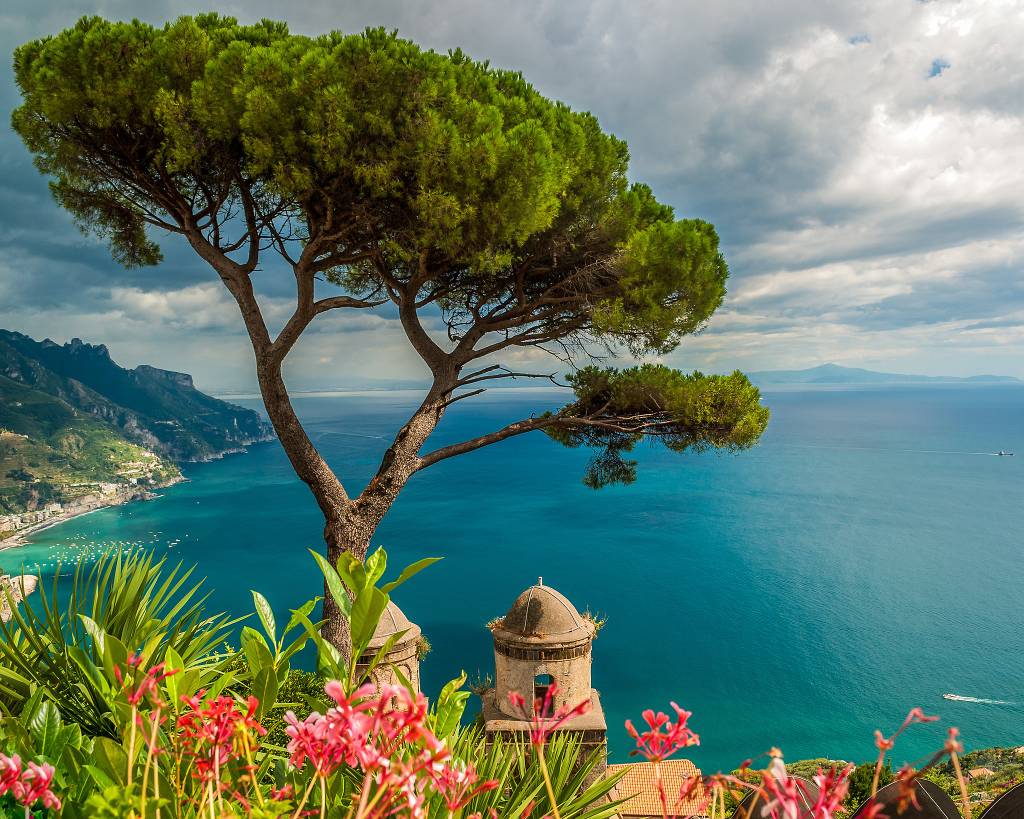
(541, 685)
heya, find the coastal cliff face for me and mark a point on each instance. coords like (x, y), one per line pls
(157, 409)
(78, 432)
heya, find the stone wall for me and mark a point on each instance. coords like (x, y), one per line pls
(569, 666)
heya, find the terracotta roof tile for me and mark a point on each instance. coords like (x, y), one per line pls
(640, 788)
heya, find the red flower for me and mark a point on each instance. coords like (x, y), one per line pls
(148, 687)
(457, 783)
(656, 744)
(872, 810)
(884, 743)
(906, 778)
(782, 790)
(210, 731)
(545, 718)
(832, 789)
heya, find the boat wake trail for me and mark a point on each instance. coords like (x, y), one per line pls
(323, 435)
(959, 698)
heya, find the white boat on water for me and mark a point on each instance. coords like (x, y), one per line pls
(959, 698)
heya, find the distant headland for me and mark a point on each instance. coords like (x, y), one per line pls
(837, 374)
(78, 432)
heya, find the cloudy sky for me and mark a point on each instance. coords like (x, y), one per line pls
(863, 162)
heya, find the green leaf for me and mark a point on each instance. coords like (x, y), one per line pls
(266, 614)
(376, 564)
(329, 660)
(221, 681)
(367, 609)
(99, 776)
(264, 688)
(110, 758)
(409, 571)
(334, 584)
(173, 663)
(450, 706)
(45, 726)
(302, 611)
(257, 653)
(94, 631)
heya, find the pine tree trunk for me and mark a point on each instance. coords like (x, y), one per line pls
(342, 535)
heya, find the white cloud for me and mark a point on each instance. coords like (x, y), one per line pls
(870, 212)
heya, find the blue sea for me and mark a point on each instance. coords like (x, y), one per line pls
(865, 558)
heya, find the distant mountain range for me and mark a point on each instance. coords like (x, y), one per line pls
(837, 374)
(74, 425)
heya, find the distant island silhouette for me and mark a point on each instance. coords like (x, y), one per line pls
(837, 374)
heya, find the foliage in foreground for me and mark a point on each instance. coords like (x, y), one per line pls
(123, 701)
(119, 703)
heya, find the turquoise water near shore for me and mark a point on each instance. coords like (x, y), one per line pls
(864, 559)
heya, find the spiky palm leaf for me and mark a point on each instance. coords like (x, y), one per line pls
(69, 642)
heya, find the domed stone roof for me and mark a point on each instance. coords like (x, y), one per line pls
(392, 621)
(542, 615)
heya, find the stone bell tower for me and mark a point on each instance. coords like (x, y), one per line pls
(543, 639)
(403, 655)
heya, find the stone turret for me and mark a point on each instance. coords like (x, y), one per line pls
(404, 654)
(543, 639)
(14, 589)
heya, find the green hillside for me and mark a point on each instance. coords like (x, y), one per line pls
(78, 432)
(51, 452)
(158, 409)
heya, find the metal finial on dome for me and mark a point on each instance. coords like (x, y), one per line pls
(542, 614)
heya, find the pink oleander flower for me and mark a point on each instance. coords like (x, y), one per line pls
(782, 791)
(953, 745)
(367, 730)
(662, 737)
(916, 715)
(457, 783)
(906, 778)
(29, 784)
(833, 785)
(210, 731)
(544, 718)
(148, 687)
(10, 771)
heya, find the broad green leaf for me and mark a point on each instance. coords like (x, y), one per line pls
(110, 758)
(376, 564)
(264, 689)
(95, 632)
(173, 663)
(45, 726)
(266, 614)
(99, 776)
(334, 584)
(409, 571)
(302, 611)
(329, 660)
(221, 681)
(367, 610)
(257, 653)
(450, 706)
